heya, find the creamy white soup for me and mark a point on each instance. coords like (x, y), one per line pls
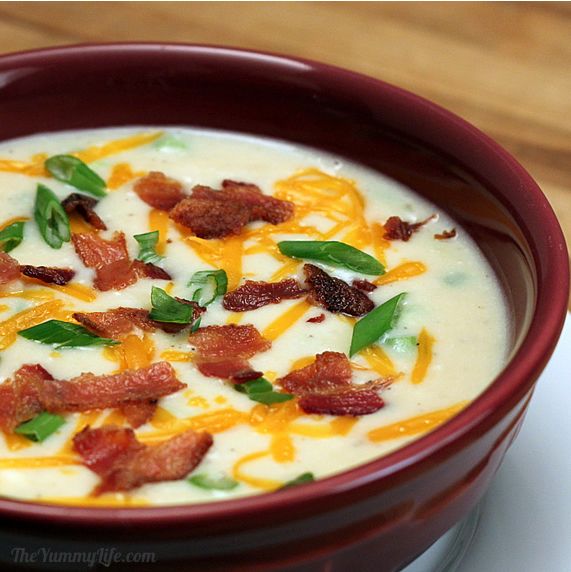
(388, 369)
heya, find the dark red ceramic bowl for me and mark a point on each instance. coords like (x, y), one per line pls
(381, 515)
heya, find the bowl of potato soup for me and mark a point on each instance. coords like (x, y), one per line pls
(257, 312)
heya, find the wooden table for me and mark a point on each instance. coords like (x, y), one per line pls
(506, 67)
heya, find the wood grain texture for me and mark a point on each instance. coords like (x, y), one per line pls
(506, 67)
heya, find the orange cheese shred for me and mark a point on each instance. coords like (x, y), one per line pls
(281, 324)
(117, 146)
(120, 175)
(415, 425)
(401, 272)
(26, 319)
(424, 357)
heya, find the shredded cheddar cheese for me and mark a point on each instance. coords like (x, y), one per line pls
(424, 357)
(401, 272)
(415, 425)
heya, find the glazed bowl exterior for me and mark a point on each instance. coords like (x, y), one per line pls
(383, 514)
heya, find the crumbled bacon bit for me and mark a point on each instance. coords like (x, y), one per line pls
(138, 413)
(222, 351)
(150, 270)
(124, 463)
(34, 390)
(334, 294)
(9, 268)
(84, 207)
(445, 234)
(263, 207)
(252, 295)
(213, 214)
(364, 285)
(116, 322)
(159, 191)
(109, 258)
(398, 229)
(211, 218)
(114, 270)
(316, 319)
(353, 402)
(48, 274)
(325, 387)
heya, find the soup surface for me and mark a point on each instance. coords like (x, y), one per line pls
(415, 361)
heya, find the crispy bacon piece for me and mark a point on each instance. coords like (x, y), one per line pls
(263, 207)
(116, 322)
(329, 372)
(109, 258)
(316, 319)
(19, 398)
(48, 274)
(9, 268)
(398, 229)
(325, 387)
(354, 402)
(123, 463)
(114, 270)
(211, 218)
(364, 285)
(445, 234)
(334, 294)
(159, 191)
(223, 351)
(34, 390)
(252, 295)
(213, 214)
(150, 270)
(84, 207)
(138, 413)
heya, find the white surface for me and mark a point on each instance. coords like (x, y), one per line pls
(526, 516)
(525, 519)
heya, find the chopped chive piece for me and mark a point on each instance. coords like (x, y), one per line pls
(148, 246)
(40, 427)
(168, 309)
(375, 324)
(213, 484)
(301, 480)
(334, 253)
(11, 236)
(400, 344)
(262, 391)
(76, 173)
(51, 218)
(64, 335)
(209, 285)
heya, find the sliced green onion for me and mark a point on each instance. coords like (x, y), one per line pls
(148, 246)
(262, 391)
(209, 285)
(212, 483)
(170, 142)
(40, 427)
(51, 218)
(400, 344)
(375, 324)
(64, 335)
(334, 253)
(76, 173)
(301, 480)
(11, 236)
(168, 309)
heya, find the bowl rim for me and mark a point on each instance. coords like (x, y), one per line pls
(513, 382)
